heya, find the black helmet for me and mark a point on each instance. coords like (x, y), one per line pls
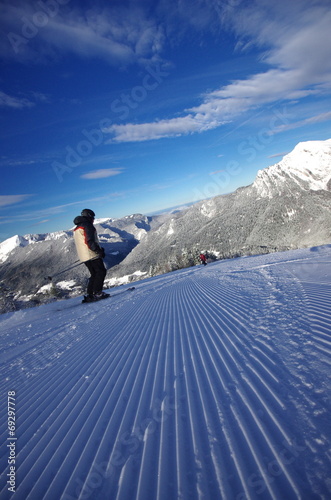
(88, 213)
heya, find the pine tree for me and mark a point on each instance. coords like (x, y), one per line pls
(7, 301)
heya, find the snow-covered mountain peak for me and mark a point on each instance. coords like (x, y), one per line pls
(104, 220)
(308, 167)
(10, 244)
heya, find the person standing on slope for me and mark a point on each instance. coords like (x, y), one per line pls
(91, 253)
(203, 259)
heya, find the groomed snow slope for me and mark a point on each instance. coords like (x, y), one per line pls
(206, 383)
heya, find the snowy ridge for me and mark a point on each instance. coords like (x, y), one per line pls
(107, 228)
(308, 166)
(7, 246)
(27, 259)
(206, 383)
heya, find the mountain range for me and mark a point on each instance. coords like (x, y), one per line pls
(288, 206)
(32, 264)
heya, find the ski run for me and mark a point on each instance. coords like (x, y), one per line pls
(205, 383)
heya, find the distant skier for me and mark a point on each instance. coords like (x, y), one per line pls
(203, 259)
(91, 253)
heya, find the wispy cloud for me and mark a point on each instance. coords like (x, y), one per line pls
(188, 124)
(102, 173)
(12, 199)
(20, 102)
(293, 40)
(297, 51)
(217, 171)
(9, 101)
(48, 212)
(276, 155)
(39, 223)
(119, 34)
(322, 117)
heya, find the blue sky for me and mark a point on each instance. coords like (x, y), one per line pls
(135, 106)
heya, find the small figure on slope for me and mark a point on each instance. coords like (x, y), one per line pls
(91, 254)
(203, 259)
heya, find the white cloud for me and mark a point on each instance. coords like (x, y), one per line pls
(164, 128)
(8, 101)
(276, 155)
(13, 199)
(297, 47)
(119, 34)
(322, 117)
(102, 173)
(294, 40)
(39, 223)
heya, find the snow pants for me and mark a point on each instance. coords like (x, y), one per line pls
(98, 273)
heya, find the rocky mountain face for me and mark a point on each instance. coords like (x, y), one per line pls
(288, 206)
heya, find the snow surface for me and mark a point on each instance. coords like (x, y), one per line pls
(206, 383)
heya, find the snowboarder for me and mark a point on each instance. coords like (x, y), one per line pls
(91, 254)
(203, 259)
